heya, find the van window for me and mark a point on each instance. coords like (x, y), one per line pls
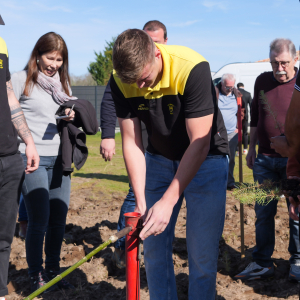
(216, 81)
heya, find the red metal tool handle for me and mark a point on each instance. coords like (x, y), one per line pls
(132, 242)
(239, 118)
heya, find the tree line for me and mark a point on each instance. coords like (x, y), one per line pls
(101, 69)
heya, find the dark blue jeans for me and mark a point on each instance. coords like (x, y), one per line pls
(47, 195)
(128, 206)
(11, 178)
(273, 168)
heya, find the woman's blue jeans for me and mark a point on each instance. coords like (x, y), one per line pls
(274, 169)
(205, 199)
(47, 195)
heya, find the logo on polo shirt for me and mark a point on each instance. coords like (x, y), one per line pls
(171, 108)
(143, 107)
(1, 64)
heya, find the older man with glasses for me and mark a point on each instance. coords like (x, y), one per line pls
(272, 96)
(227, 102)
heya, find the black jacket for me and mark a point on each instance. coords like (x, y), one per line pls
(247, 100)
(73, 139)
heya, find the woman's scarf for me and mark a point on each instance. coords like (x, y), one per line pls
(53, 86)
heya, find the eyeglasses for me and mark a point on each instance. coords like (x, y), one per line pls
(284, 64)
(229, 88)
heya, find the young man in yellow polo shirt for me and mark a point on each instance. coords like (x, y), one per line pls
(169, 88)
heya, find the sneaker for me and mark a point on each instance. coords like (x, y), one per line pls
(22, 229)
(237, 153)
(294, 274)
(245, 152)
(40, 280)
(62, 284)
(254, 271)
(118, 257)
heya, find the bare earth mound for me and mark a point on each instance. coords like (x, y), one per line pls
(91, 222)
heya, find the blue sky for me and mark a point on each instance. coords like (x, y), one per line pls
(222, 31)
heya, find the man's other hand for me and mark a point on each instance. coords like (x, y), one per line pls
(250, 158)
(293, 211)
(280, 145)
(33, 159)
(108, 149)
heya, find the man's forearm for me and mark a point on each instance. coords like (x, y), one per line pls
(134, 157)
(17, 116)
(253, 138)
(136, 169)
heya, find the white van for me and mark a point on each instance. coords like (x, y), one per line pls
(245, 73)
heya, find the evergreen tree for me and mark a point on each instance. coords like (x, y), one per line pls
(103, 66)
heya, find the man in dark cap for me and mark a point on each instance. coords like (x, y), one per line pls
(12, 124)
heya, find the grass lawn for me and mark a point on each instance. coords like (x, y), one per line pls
(247, 173)
(110, 178)
(105, 177)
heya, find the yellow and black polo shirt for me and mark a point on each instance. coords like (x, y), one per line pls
(8, 135)
(185, 91)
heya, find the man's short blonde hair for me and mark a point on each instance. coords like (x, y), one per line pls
(132, 51)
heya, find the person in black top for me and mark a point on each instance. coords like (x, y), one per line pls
(158, 33)
(169, 88)
(247, 101)
(12, 124)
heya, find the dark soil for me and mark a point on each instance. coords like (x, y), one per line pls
(91, 222)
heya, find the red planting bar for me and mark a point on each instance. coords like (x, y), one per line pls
(132, 247)
(239, 118)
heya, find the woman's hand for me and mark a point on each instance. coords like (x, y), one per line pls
(71, 116)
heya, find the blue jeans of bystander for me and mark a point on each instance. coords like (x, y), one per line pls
(128, 206)
(273, 168)
(205, 199)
